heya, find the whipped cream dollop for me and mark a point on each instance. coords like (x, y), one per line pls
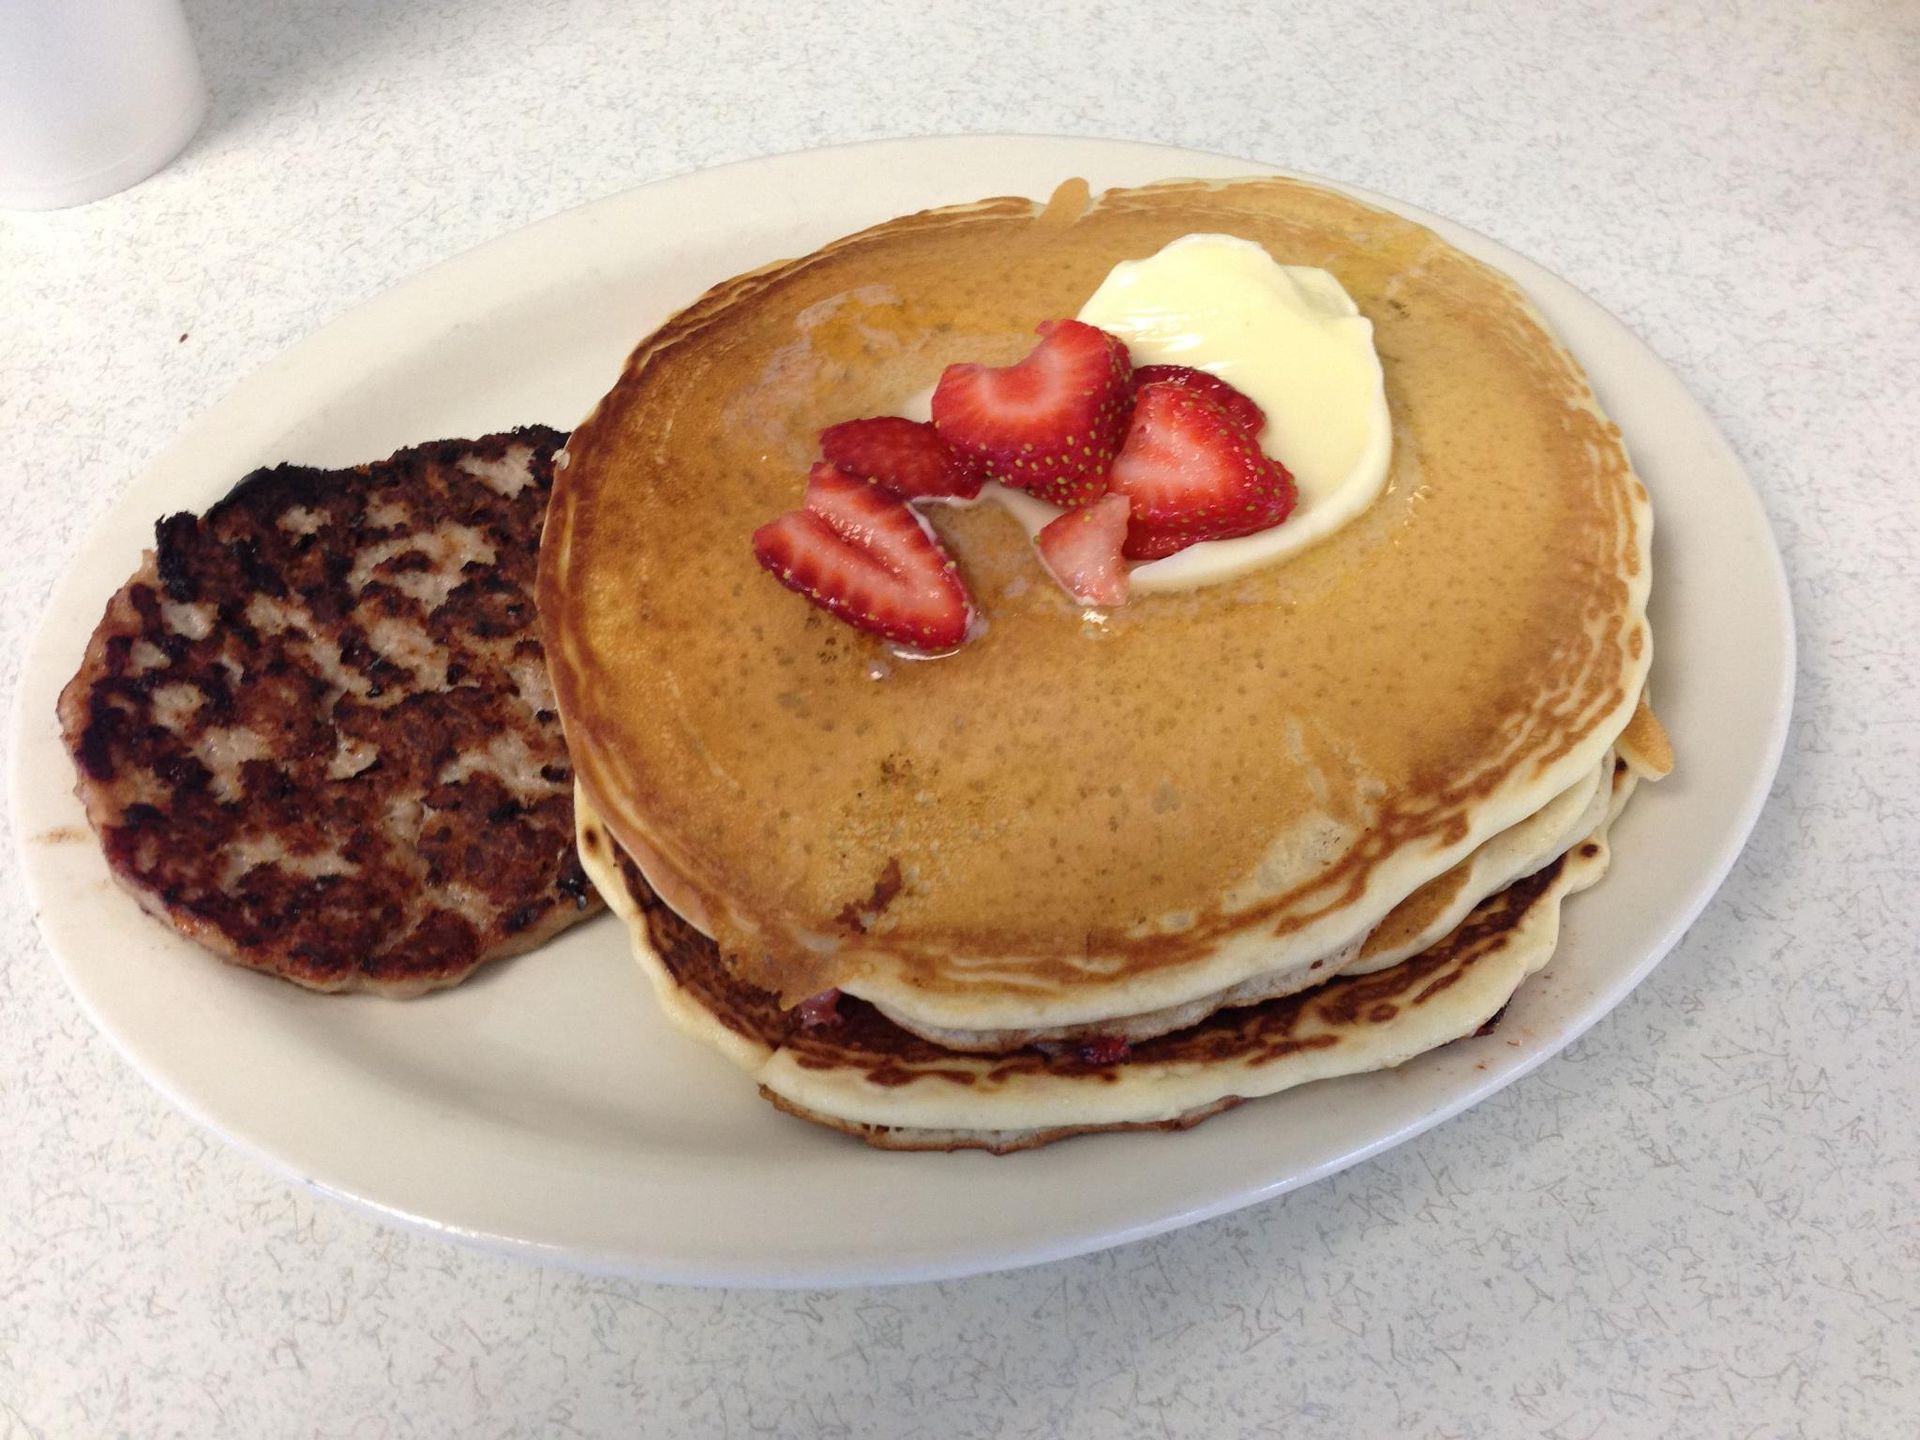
(1287, 336)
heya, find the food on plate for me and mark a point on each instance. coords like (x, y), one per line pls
(1033, 822)
(1051, 423)
(839, 1062)
(314, 730)
(861, 554)
(1192, 472)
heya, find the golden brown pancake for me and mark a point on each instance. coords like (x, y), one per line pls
(1443, 902)
(1067, 822)
(868, 1077)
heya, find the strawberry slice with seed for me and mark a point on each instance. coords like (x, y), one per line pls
(1249, 416)
(906, 457)
(1082, 548)
(1049, 425)
(1192, 474)
(866, 558)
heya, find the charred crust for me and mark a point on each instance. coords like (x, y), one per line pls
(275, 488)
(300, 732)
(572, 881)
(173, 538)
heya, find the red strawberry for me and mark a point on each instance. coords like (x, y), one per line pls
(1193, 474)
(866, 558)
(1105, 1049)
(1247, 415)
(1052, 423)
(819, 1012)
(1082, 551)
(903, 456)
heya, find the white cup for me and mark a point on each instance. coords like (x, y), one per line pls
(95, 95)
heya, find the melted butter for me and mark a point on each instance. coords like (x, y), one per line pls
(1287, 336)
(1291, 339)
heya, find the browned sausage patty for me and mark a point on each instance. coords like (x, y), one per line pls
(314, 731)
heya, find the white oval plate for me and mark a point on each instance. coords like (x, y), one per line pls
(546, 1107)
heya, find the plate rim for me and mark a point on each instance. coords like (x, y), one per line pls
(342, 332)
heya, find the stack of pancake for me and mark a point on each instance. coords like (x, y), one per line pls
(1096, 869)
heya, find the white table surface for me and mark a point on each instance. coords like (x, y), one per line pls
(1704, 1219)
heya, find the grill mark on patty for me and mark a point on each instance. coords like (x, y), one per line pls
(314, 731)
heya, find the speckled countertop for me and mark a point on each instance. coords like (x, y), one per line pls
(1704, 1219)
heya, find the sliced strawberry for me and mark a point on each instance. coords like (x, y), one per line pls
(1049, 425)
(906, 457)
(1105, 1049)
(1081, 550)
(1249, 416)
(865, 557)
(1193, 474)
(819, 1012)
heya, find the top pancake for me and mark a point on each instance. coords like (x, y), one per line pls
(1074, 818)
